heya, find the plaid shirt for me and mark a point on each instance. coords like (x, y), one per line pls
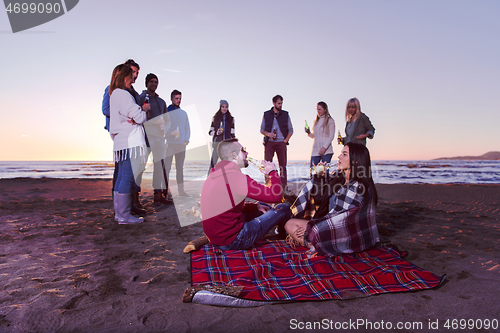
(350, 225)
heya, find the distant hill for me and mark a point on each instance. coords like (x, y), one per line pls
(490, 156)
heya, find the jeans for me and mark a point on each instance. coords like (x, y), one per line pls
(215, 155)
(324, 158)
(129, 173)
(257, 228)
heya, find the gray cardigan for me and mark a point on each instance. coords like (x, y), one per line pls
(361, 126)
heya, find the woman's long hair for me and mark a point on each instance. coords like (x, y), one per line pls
(219, 112)
(327, 115)
(361, 168)
(118, 77)
(348, 117)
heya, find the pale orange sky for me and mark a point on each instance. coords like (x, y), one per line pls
(426, 73)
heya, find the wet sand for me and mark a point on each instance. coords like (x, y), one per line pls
(67, 266)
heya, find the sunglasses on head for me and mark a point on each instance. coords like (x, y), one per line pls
(243, 149)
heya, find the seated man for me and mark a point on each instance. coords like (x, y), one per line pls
(223, 201)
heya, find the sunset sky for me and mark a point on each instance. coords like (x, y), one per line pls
(427, 73)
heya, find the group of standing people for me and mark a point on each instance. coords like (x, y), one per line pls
(277, 129)
(139, 125)
(344, 218)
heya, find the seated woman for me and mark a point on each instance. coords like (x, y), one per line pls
(345, 219)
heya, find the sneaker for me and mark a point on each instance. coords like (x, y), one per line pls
(184, 195)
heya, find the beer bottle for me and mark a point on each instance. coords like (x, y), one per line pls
(146, 101)
(275, 135)
(306, 127)
(221, 127)
(256, 163)
(340, 140)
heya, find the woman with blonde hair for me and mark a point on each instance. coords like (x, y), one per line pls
(323, 133)
(129, 144)
(358, 126)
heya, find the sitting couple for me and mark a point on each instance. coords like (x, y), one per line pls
(343, 223)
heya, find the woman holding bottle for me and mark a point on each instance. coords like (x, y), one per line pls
(345, 221)
(222, 128)
(323, 133)
(358, 126)
(129, 145)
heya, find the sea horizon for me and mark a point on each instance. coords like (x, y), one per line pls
(383, 171)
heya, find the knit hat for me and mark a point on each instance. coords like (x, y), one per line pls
(223, 101)
(149, 77)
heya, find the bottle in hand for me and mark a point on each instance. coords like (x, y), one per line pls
(306, 128)
(255, 162)
(146, 101)
(340, 140)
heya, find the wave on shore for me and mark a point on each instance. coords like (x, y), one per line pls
(384, 172)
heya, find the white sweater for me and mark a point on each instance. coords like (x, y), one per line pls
(124, 134)
(323, 136)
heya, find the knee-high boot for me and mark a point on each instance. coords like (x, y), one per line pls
(123, 205)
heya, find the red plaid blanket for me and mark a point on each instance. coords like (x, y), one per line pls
(274, 271)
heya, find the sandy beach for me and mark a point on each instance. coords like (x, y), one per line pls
(67, 266)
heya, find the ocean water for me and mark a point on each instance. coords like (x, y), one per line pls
(384, 172)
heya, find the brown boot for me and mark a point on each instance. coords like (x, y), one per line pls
(158, 197)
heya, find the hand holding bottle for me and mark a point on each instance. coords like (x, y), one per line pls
(340, 139)
(268, 167)
(220, 130)
(306, 128)
(146, 106)
(319, 169)
(176, 133)
(272, 135)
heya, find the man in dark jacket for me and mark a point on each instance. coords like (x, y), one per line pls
(277, 129)
(156, 126)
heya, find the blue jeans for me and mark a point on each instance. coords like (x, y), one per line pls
(323, 158)
(215, 155)
(137, 187)
(257, 228)
(129, 174)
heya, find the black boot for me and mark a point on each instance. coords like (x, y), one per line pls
(136, 206)
(135, 199)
